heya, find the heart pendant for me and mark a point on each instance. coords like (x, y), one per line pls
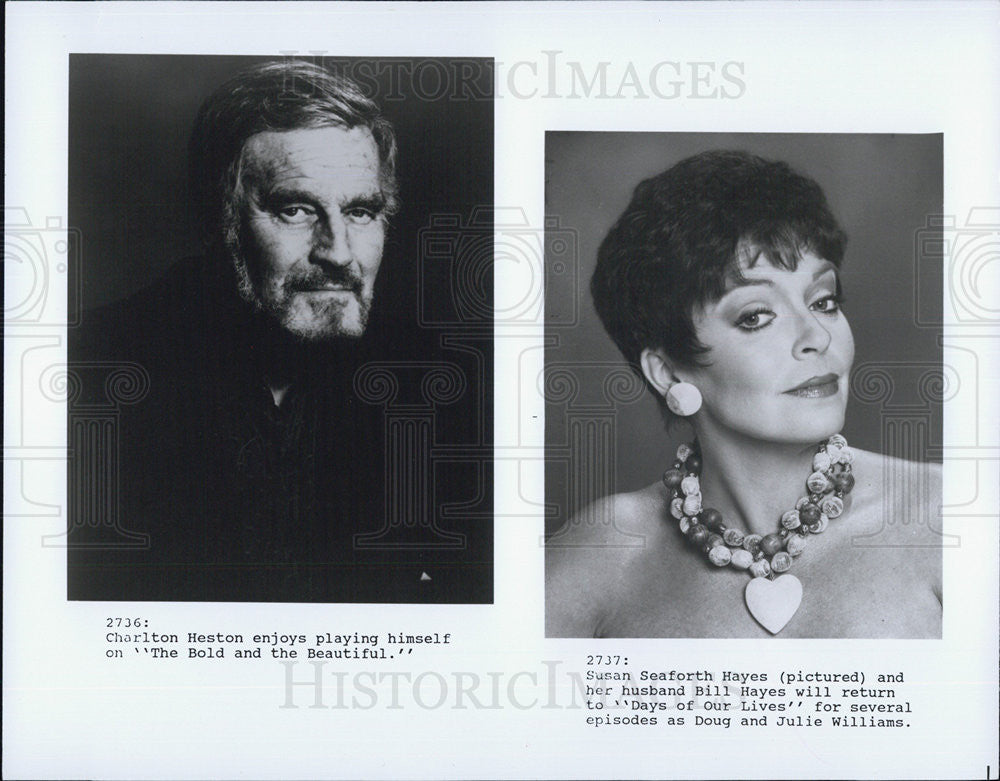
(773, 602)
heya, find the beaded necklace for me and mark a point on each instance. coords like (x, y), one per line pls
(772, 601)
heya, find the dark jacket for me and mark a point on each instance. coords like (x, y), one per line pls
(187, 482)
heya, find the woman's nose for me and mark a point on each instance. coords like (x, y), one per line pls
(812, 336)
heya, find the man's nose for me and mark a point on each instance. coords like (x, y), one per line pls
(331, 243)
(812, 336)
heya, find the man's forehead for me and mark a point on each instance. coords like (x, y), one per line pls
(320, 151)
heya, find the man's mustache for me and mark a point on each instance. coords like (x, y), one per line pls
(318, 279)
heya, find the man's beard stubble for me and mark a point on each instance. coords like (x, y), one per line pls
(277, 311)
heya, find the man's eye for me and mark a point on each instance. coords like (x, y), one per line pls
(294, 214)
(360, 215)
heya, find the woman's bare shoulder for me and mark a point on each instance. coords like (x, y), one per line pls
(868, 460)
(606, 519)
(898, 485)
(588, 560)
(896, 505)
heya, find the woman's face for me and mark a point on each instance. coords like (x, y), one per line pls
(780, 351)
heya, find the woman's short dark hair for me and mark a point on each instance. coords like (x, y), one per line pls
(275, 96)
(684, 234)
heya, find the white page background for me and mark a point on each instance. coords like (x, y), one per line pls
(812, 67)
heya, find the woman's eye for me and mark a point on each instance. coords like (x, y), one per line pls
(754, 321)
(828, 305)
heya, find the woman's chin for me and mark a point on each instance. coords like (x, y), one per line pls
(815, 428)
(790, 421)
(815, 420)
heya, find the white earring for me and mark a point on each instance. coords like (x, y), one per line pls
(683, 399)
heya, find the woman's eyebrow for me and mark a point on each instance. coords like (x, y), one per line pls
(733, 282)
(738, 283)
(824, 269)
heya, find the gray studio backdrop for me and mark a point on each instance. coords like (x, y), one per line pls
(603, 431)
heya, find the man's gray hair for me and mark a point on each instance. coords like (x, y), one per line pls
(274, 96)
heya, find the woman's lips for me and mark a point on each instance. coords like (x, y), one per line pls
(816, 387)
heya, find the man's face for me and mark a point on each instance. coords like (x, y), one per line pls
(312, 229)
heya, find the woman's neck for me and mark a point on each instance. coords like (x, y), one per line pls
(752, 483)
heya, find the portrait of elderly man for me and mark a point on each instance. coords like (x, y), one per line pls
(274, 419)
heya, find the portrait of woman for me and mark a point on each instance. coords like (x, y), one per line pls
(722, 286)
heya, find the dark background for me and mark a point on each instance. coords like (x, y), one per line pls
(882, 189)
(129, 121)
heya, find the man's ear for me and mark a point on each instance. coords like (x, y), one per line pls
(657, 369)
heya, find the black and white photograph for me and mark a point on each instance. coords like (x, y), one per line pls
(546, 390)
(764, 458)
(281, 388)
